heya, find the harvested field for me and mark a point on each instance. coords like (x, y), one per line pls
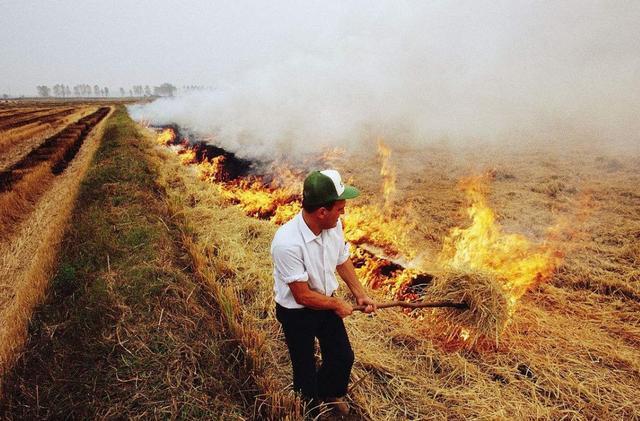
(23, 183)
(571, 348)
(490, 154)
(563, 344)
(18, 140)
(125, 331)
(37, 194)
(567, 345)
(13, 121)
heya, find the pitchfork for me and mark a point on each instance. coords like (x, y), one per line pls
(462, 306)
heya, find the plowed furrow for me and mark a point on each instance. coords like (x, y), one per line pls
(12, 123)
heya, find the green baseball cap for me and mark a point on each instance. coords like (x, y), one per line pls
(326, 186)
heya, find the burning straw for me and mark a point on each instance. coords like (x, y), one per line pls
(489, 307)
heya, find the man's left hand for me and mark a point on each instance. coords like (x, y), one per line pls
(368, 302)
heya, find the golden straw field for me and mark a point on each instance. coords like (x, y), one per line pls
(198, 200)
(162, 278)
(572, 346)
(36, 199)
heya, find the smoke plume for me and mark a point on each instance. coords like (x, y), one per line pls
(512, 72)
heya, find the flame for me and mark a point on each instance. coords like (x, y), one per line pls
(381, 274)
(213, 169)
(187, 156)
(382, 243)
(483, 246)
(285, 212)
(511, 258)
(286, 178)
(279, 199)
(259, 199)
(365, 224)
(388, 173)
(464, 334)
(166, 137)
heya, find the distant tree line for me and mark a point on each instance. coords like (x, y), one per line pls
(166, 89)
(63, 91)
(194, 88)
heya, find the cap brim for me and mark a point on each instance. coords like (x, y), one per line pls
(349, 193)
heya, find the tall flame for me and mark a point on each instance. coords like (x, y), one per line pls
(388, 173)
(483, 246)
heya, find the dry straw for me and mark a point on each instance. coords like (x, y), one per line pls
(566, 354)
(489, 308)
(18, 142)
(28, 258)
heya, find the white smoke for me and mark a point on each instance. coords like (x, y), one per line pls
(417, 71)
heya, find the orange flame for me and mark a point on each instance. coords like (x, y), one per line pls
(512, 258)
(166, 136)
(187, 156)
(483, 246)
(213, 169)
(265, 200)
(365, 224)
(388, 173)
(285, 212)
(381, 274)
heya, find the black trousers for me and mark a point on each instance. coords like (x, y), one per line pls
(301, 328)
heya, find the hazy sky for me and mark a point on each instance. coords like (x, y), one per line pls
(120, 43)
(328, 72)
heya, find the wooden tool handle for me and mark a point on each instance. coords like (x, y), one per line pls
(405, 304)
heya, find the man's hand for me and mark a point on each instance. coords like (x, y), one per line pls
(368, 302)
(348, 273)
(343, 308)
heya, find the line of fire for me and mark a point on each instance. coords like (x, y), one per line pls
(480, 264)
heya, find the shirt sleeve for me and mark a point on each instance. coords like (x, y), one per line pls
(288, 264)
(344, 254)
(345, 248)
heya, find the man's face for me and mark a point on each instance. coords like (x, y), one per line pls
(329, 217)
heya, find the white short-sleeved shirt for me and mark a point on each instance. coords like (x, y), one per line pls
(300, 255)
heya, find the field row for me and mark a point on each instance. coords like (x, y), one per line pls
(18, 141)
(37, 195)
(25, 181)
(38, 116)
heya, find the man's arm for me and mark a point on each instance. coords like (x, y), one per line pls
(309, 298)
(347, 272)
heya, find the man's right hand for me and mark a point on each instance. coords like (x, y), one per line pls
(343, 308)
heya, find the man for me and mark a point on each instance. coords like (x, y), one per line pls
(306, 253)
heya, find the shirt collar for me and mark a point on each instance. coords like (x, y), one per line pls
(307, 234)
